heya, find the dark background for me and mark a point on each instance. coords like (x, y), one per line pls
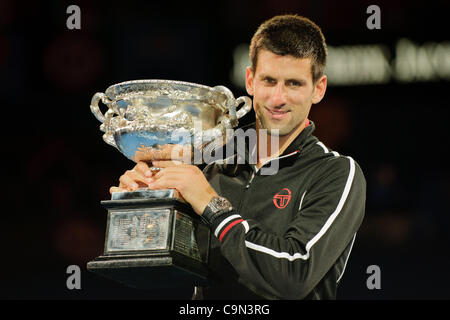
(57, 169)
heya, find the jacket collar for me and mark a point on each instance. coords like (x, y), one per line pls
(300, 140)
(292, 151)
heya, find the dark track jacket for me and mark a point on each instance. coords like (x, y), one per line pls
(290, 234)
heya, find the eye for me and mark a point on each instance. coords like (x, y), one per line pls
(293, 83)
(269, 80)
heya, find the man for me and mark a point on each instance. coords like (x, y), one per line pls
(286, 235)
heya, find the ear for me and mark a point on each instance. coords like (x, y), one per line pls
(319, 89)
(249, 81)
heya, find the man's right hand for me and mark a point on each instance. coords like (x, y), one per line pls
(138, 177)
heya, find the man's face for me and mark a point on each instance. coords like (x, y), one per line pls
(283, 91)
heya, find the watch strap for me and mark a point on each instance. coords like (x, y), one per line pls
(211, 213)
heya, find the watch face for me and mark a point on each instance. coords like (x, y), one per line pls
(219, 204)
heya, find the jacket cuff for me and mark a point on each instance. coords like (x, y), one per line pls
(225, 222)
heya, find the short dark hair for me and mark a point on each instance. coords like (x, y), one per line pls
(291, 35)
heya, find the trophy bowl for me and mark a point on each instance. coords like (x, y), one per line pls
(146, 119)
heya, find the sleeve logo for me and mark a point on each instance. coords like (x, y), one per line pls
(282, 198)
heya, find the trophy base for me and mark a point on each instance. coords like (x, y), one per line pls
(153, 240)
(151, 272)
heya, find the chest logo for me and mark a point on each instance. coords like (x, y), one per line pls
(282, 198)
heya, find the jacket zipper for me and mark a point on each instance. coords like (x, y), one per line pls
(250, 180)
(277, 158)
(254, 173)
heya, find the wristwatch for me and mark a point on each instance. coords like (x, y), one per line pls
(216, 207)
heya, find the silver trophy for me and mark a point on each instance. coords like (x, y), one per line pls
(153, 237)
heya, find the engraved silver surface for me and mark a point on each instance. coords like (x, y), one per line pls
(147, 118)
(185, 241)
(139, 229)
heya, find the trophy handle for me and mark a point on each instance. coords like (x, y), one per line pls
(245, 108)
(231, 106)
(104, 118)
(208, 137)
(94, 105)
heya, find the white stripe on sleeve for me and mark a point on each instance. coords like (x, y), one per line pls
(224, 222)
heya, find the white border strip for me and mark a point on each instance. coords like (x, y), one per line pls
(276, 254)
(246, 226)
(325, 149)
(346, 260)
(301, 201)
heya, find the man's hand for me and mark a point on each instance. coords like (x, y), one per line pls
(187, 179)
(140, 176)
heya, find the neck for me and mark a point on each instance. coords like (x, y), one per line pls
(272, 146)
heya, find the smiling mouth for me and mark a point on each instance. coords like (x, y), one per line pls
(277, 114)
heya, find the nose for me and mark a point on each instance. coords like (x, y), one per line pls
(279, 96)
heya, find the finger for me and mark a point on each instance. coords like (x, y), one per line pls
(116, 189)
(139, 177)
(165, 182)
(179, 171)
(143, 168)
(132, 180)
(169, 171)
(166, 163)
(155, 170)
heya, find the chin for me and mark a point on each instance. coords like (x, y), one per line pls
(278, 132)
(279, 129)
